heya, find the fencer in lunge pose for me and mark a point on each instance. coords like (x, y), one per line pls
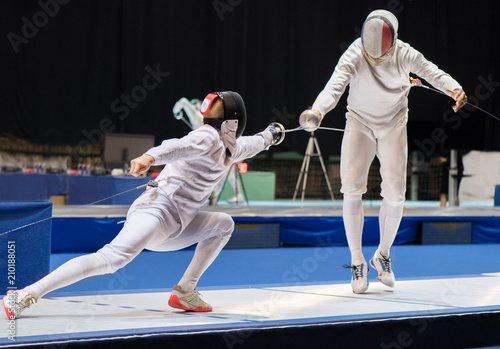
(167, 216)
(191, 108)
(376, 67)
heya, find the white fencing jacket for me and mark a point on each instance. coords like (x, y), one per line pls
(378, 95)
(195, 163)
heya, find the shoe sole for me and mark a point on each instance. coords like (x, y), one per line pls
(366, 289)
(175, 302)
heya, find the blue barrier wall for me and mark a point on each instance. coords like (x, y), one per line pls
(90, 234)
(24, 253)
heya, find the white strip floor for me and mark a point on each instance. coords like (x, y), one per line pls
(85, 315)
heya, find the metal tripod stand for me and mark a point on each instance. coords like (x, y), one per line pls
(238, 180)
(304, 170)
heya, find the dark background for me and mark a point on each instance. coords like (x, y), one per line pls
(82, 56)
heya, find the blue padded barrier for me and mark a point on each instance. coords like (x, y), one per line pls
(83, 234)
(90, 234)
(24, 253)
(87, 189)
(31, 186)
(446, 233)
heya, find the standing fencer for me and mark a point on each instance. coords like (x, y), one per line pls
(167, 216)
(376, 67)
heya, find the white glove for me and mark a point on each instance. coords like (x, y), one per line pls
(310, 120)
(273, 134)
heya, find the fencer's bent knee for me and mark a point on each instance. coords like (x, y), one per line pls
(226, 224)
(106, 265)
(116, 258)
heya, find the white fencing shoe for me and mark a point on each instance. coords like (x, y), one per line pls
(187, 301)
(359, 280)
(16, 301)
(383, 266)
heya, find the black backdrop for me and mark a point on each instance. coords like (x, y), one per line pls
(67, 66)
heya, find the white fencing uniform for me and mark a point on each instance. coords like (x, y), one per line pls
(167, 217)
(376, 120)
(377, 109)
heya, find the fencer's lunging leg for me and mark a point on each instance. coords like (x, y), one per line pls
(132, 239)
(208, 249)
(204, 255)
(353, 222)
(70, 272)
(389, 219)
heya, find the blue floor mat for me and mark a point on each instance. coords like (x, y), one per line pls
(287, 265)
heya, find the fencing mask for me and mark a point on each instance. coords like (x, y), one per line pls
(378, 37)
(234, 109)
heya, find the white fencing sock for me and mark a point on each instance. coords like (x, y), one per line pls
(204, 255)
(353, 223)
(389, 219)
(70, 272)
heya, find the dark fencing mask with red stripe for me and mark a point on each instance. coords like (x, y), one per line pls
(234, 109)
(378, 36)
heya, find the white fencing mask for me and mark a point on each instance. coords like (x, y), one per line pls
(378, 36)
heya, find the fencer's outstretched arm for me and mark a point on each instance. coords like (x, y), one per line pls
(335, 87)
(249, 146)
(427, 70)
(194, 144)
(198, 143)
(274, 134)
